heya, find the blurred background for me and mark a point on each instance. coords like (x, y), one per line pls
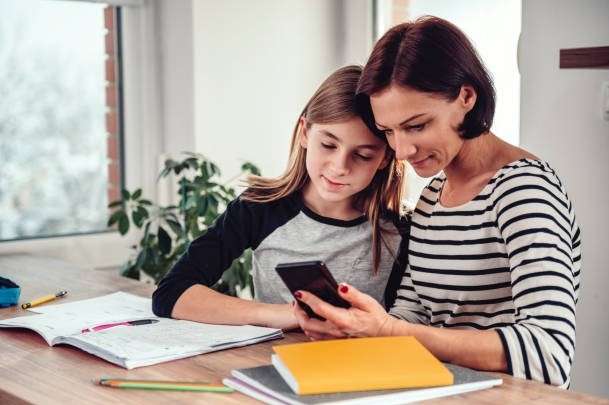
(94, 96)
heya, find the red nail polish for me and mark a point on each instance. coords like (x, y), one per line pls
(298, 295)
(344, 289)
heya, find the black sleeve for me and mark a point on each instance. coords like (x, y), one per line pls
(208, 256)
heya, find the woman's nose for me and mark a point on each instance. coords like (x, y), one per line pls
(404, 149)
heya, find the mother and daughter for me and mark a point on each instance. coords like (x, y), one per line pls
(488, 277)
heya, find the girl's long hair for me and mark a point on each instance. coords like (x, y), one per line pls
(333, 102)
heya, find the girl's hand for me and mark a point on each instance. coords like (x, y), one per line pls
(365, 318)
(278, 316)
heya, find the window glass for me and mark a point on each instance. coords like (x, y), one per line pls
(53, 129)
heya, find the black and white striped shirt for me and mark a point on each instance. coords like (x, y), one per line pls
(508, 260)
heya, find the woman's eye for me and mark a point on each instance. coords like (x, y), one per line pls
(328, 146)
(388, 132)
(416, 128)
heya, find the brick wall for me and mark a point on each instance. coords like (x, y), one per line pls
(112, 100)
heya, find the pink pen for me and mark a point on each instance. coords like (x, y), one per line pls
(97, 328)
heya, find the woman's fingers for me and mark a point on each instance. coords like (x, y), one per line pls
(322, 308)
(314, 328)
(299, 313)
(320, 328)
(322, 336)
(357, 298)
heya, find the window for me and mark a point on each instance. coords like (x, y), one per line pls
(60, 142)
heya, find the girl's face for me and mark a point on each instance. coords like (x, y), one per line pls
(421, 127)
(342, 158)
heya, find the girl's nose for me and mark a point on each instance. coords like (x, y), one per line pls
(340, 164)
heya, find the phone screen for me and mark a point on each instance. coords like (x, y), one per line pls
(313, 277)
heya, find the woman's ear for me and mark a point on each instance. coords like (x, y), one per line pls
(467, 97)
(304, 135)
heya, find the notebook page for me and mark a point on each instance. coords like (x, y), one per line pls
(50, 327)
(168, 338)
(70, 318)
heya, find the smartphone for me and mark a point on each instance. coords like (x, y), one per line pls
(313, 277)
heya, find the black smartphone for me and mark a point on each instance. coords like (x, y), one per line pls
(313, 277)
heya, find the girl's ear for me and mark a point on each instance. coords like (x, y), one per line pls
(467, 97)
(304, 136)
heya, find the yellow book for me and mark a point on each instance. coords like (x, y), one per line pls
(361, 364)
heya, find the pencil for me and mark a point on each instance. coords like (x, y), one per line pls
(44, 299)
(164, 385)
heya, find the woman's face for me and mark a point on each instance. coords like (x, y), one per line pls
(422, 127)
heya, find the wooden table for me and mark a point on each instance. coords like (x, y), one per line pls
(33, 372)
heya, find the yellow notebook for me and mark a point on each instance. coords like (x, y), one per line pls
(361, 364)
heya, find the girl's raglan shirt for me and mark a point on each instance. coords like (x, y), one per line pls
(285, 231)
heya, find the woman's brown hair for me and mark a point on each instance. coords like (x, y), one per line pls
(333, 102)
(433, 56)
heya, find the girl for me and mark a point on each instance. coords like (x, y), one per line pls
(495, 254)
(333, 203)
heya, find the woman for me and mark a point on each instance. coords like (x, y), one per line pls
(494, 259)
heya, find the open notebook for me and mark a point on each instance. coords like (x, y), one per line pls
(133, 346)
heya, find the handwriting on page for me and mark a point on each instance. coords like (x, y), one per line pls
(166, 338)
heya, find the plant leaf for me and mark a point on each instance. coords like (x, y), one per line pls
(175, 227)
(115, 203)
(123, 223)
(125, 194)
(114, 217)
(139, 215)
(136, 194)
(250, 168)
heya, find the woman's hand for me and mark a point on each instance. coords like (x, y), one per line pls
(365, 318)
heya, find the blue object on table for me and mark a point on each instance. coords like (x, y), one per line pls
(9, 293)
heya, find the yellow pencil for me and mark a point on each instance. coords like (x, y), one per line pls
(44, 299)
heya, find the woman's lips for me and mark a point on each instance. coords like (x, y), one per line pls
(419, 162)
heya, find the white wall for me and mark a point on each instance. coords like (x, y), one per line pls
(493, 27)
(561, 122)
(257, 63)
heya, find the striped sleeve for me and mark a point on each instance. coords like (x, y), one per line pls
(407, 305)
(537, 223)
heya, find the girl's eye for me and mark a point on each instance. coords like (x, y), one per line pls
(388, 132)
(328, 146)
(366, 158)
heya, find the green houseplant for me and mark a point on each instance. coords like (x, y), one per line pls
(168, 230)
